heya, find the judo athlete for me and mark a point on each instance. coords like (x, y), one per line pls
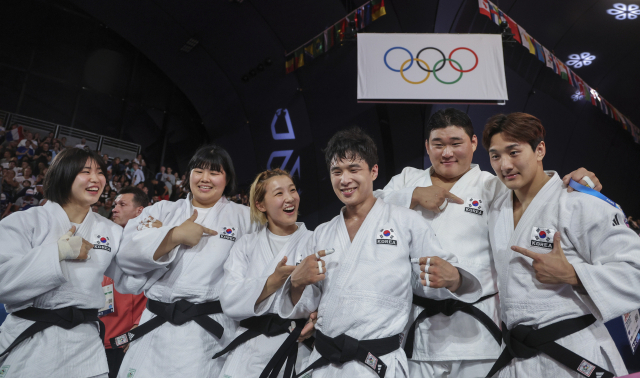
(257, 267)
(183, 325)
(52, 262)
(564, 265)
(446, 339)
(363, 291)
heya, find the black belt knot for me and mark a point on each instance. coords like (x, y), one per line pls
(517, 343)
(343, 348)
(66, 317)
(448, 307)
(176, 313)
(526, 342)
(273, 325)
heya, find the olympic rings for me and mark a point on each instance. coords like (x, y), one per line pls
(463, 48)
(436, 68)
(450, 82)
(417, 60)
(393, 48)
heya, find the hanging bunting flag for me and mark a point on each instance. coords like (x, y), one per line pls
(367, 14)
(318, 46)
(377, 9)
(573, 79)
(495, 13)
(512, 26)
(484, 7)
(299, 58)
(290, 64)
(329, 38)
(539, 52)
(308, 51)
(548, 59)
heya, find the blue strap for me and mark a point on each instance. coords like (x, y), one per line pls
(587, 190)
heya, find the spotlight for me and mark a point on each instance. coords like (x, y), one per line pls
(267, 62)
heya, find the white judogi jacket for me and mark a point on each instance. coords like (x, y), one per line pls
(190, 273)
(246, 271)
(605, 256)
(367, 291)
(31, 275)
(463, 230)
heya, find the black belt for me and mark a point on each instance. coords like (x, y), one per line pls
(67, 318)
(176, 313)
(448, 307)
(342, 348)
(273, 325)
(525, 342)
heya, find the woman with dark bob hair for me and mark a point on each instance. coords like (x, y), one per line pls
(52, 262)
(183, 326)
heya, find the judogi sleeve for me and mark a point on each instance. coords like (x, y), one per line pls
(26, 271)
(239, 292)
(424, 243)
(310, 299)
(139, 243)
(126, 283)
(399, 190)
(610, 272)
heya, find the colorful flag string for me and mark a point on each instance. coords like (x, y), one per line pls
(490, 10)
(334, 35)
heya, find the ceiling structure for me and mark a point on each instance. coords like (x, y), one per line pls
(236, 36)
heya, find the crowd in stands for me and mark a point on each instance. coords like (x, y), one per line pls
(25, 161)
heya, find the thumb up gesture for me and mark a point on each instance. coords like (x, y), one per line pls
(552, 267)
(189, 232)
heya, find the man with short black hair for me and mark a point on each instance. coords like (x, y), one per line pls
(565, 262)
(138, 176)
(364, 300)
(454, 197)
(126, 308)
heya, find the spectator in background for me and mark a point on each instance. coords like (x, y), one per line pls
(138, 176)
(28, 137)
(145, 170)
(63, 143)
(5, 207)
(27, 201)
(117, 168)
(36, 140)
(48, 139)
(159, 189)
(82, 144)
(95, 207)
(161, 176)
(105, 210)
(26, 151)
(169, 186)
(105, 158)
(56, 149)
(9, 184)
(5, 158)
(170, 176)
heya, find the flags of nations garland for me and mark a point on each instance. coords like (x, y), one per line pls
(332, 36)
(490, 10)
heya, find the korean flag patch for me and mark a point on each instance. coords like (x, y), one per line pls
(474, 206)
(542, 237)
(386, 236)
(228, 233)
(102, 242)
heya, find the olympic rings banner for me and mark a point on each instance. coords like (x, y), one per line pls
(431, 68)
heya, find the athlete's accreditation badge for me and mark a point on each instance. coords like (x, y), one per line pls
(542, 237)
(474, 206)
(387, 236)
(102, 242)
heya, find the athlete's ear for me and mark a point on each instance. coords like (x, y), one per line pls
(541, 150)
(426, 145)
(260, 207)
(474, 142)
(374, 172)
(139, 210)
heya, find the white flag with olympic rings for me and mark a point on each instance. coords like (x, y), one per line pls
(431, 68)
